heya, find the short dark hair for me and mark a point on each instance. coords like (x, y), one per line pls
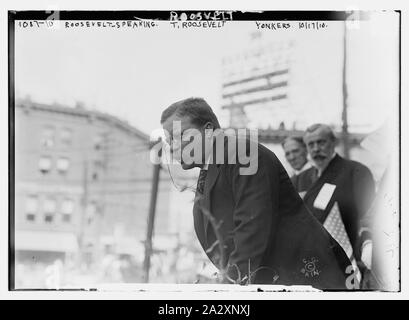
(197, 109)
(326, 128)
(298, 139)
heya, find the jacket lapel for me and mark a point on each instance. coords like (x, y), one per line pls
(327, 175)
(313, 186)
(212, 174)
(198, 219)
(220, 147)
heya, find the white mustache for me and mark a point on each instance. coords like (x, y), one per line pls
(319, 156)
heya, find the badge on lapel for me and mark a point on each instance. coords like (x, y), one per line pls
(310, 268)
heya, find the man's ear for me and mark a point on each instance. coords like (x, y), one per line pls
(209, 129)
(209, 125)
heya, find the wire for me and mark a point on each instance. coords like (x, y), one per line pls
(76, 181)
(112, 156)
(108, 144)
(179, 188)
(101, 151)
(97, 192)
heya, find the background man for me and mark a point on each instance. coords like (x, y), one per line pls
(295, 152)
(339, 193)
(255, 228)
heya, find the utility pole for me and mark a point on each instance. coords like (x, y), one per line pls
(151, 217)
(82, 220)
(100, 206)
(345, 140)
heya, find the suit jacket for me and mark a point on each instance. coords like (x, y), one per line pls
(354, 192)
(265, 233)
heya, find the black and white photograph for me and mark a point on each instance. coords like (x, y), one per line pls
(192, 151)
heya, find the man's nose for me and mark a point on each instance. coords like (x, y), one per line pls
(315, 147)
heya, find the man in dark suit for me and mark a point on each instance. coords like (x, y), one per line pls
(337, 186)
(252, 224)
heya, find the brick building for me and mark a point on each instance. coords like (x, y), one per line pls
(82, 185)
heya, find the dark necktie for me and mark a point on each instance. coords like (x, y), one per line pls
(201, 181)
(314, 177)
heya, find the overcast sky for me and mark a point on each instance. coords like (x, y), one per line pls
(134, 74)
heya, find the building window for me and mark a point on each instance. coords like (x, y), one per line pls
(47, 139)
(99, 141)
(44, 164)
(49, 210)
(63, 165)
(91, 212)
(31, 208)
(66, 136)
(67, 209)
(98, 167)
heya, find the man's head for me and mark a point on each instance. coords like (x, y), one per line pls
(295, 152)
(184, 122)
(320, 141)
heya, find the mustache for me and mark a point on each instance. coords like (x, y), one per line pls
(319, 156)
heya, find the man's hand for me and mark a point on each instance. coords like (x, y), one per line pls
(366, 256)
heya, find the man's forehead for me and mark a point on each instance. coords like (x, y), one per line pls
(292, 144)
(319, 133)
(177, 123)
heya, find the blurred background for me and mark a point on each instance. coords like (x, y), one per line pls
(91, 208)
